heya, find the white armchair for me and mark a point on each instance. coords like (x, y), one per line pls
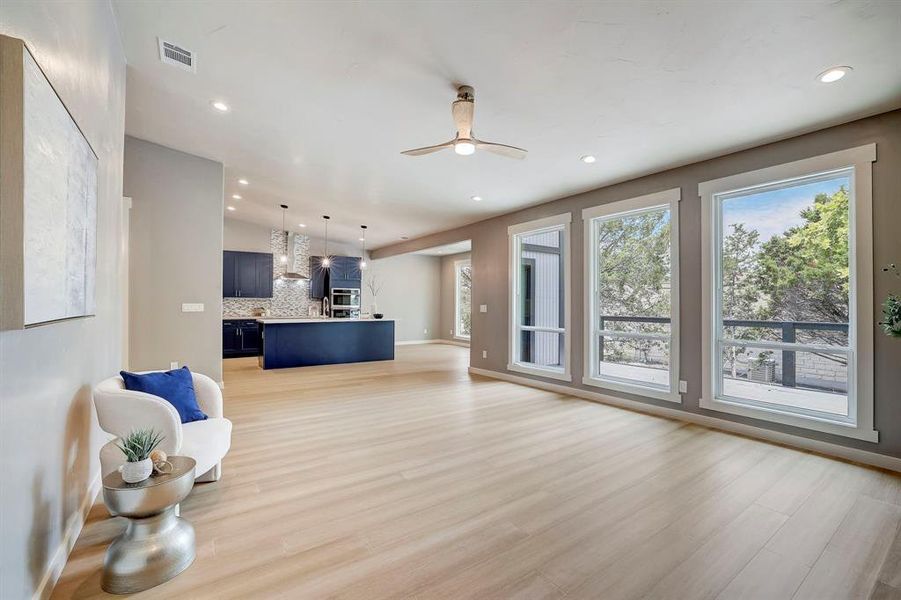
(121, 411)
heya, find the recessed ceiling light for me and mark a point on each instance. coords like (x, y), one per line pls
(833, 74)
(362, 239)
(219, 105)
(477, 198)
(588, 159)
(301, 225)
(230, 207)
(236, 196)
(243, 181)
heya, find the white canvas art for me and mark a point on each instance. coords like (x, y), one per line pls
(60, 211)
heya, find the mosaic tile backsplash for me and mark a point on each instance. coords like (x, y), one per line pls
(290, 297)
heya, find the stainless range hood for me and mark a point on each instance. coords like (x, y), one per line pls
(294, 269)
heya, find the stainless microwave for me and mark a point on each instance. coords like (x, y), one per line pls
(345, 298)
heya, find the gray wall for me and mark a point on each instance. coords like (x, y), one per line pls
(449, 296)
(175, 255)
(49, 438)
(410, 294)
(490, 262)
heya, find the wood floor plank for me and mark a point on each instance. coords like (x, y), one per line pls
(850, 565)
(414, 479)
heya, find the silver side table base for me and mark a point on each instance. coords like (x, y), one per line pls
(157, 544)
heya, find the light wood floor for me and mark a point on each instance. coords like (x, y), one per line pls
(413, 479)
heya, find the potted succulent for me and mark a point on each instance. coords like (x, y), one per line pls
(137, 447)
(891, 309)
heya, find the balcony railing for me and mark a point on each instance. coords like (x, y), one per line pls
(789, 331)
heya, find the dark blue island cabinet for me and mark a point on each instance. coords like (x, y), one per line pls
(308, 342)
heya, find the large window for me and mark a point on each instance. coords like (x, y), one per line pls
(539, 295)
(632, 295)
(463, 299)
(788, 294)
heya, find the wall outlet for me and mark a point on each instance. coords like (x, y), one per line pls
(192, 307)
(451, 332)
(484, 354)
(425, 331)
(483, 308)
(173, 365)
(683, 387)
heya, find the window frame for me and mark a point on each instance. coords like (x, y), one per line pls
(668, 199)
(858, 161)
(562, 223)
(458, 269)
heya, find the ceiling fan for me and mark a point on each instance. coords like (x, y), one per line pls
(464, 143)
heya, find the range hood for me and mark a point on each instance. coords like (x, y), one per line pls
(294, 268)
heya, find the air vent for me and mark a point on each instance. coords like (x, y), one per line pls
(175, 55)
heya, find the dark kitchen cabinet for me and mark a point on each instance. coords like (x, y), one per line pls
(246, 274)
(342, 272)
(345, 272)
(318, 278)
(240, 337)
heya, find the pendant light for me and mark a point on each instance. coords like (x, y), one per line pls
(284, 257)
(363, 255)
(326, 261)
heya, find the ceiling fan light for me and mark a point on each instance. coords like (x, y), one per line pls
(464, 148)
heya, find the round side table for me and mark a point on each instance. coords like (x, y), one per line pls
(157, 544)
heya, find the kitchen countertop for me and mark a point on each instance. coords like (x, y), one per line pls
(276, 320)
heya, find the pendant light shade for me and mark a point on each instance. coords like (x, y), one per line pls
(284, 257)
(326, 261)
(363, 254)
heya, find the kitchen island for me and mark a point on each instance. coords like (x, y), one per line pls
(307, 342)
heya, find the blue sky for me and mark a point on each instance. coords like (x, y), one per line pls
(772, 212)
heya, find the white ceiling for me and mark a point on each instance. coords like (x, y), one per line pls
(447, 249)
(325, 95)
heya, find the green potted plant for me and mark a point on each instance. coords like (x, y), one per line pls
(137, 447)
(891, 308)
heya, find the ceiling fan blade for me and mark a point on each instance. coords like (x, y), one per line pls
(428, 149)
(501, 149)
(462, 111)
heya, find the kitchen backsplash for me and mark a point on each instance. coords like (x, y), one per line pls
(290, 297)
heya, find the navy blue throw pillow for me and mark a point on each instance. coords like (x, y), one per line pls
(176, 387)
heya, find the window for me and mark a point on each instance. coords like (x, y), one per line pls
(788, 294)
(632, 295)
(539, 297)
(463, 299)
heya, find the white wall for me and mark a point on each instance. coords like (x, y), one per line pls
(49, 439)
(410, 294)
(175, 254)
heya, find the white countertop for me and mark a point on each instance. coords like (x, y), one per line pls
(276, 320)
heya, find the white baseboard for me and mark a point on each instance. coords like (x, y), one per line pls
(57, 562)
(787, 439)
(432, 341)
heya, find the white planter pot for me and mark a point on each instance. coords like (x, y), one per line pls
(136, 472)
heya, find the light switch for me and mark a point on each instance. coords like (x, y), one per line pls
(483, 308)
(173, 365)
(192, 307)
(683, 387)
